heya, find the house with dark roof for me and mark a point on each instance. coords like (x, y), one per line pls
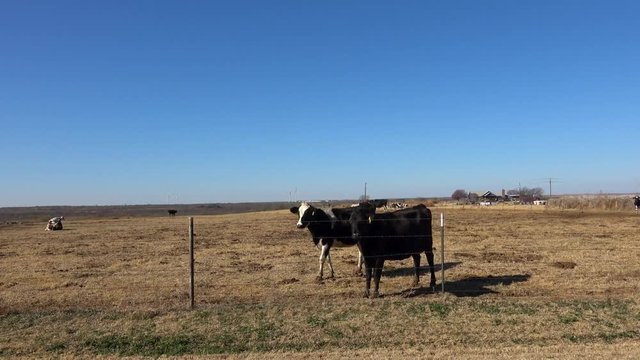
(491, 197)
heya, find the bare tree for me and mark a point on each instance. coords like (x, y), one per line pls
(529, 195)
(459, 194)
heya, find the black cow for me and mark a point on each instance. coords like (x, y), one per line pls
(636, 202)
(392, 236)
(172, 212)
(379, 203)
(328, 229)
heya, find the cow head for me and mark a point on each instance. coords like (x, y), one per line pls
(305, 213)
(361, 219)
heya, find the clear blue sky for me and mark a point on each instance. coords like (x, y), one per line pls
(136, 102)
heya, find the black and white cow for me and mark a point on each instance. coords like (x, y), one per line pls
(330, 228)
(399, 205)
(54, 223)
(636, 202)
(392, 236)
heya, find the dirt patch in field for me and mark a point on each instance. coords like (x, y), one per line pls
(564, 264)
(510, 257)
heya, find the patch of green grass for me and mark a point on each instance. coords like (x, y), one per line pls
(56, 347)
(144, 315)
(419, 309)
(316, 321)
(384, 310)
(266, 331)
(5, 352)
(334, 333)
(203, 315)
(608, 337)
(342, 316)
(569, 318)
(573, 338)
(146, 345)
(440, 310)
(20, 321)
(622, 335)
(491, 309)
(505, 308)
(619, 309)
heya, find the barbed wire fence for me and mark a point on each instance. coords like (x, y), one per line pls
(176, 274)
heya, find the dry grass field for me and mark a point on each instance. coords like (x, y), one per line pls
(520, 283)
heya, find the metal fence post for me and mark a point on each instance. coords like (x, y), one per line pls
(192, 294)
(442, 247)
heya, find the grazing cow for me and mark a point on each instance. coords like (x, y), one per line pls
(172, 212)
(392, 236)
(636, 202)
(54, 223)
(328, 229)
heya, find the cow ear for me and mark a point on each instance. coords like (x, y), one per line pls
(294, 210)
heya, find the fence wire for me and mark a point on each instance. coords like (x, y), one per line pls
(469, 271)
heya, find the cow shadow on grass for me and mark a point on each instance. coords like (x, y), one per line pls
(470, 287)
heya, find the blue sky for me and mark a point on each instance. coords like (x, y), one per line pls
(137, 102)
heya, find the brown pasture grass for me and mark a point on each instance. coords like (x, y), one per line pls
(519, 284)
(591, 202)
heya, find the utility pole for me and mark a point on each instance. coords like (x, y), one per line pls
(552, 180)
(365, 191)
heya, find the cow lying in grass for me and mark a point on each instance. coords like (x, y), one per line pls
(54, 223)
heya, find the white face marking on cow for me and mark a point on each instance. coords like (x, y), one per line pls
(301, 210)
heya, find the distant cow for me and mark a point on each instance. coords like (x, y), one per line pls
(636, 202)
(172, 212)
(379, 203)
(392, 236)
(399, 205)
(54, 223)
(328, 229)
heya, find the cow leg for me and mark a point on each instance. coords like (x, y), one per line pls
(324, 251)
(329, 261)
(367, 282)
(360, 262)
(377, 273)
(416, 266)
(432, 268)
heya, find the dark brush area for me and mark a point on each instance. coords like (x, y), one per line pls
(43, 213)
